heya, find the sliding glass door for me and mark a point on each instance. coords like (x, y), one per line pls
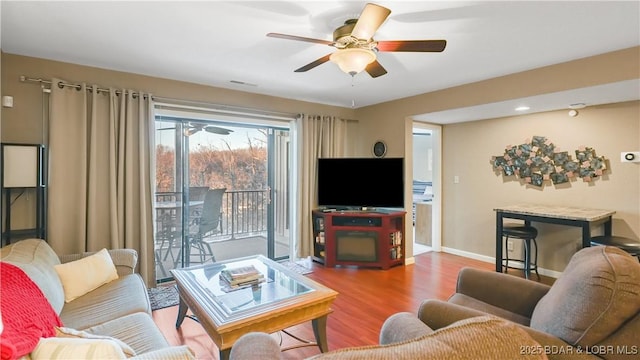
(221, 190)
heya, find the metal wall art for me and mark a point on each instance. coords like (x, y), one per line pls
(539, 161)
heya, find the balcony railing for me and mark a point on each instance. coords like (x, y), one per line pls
(243, 212)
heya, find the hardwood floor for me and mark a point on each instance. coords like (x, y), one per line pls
(367, 297)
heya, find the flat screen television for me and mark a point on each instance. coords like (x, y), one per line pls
(354, 183)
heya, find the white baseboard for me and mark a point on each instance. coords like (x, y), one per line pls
(410, 260)
(492, 260)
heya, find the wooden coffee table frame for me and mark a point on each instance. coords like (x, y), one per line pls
(313, 306)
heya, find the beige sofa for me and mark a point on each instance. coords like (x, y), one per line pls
(118, 309)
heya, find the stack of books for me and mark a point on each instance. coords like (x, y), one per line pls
(241, 276)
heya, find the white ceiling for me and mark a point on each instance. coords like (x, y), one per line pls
(216, 42)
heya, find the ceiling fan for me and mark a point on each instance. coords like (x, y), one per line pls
(195, 127)
(356, 48)
(192, 128)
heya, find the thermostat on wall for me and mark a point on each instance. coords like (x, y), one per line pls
(630, 156)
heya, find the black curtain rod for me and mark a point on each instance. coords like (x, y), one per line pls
(78, 87)
(175, 102)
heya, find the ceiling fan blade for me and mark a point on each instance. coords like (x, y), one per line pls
(370, 19)
(217, 130)
(191, 131)
(375, 69)
(300, 38)
(313, 64)
(412, 45)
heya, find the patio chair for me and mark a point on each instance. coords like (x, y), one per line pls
(196, 194)
(168, 230)
(209, 223)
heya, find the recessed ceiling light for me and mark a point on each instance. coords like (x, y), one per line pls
(522, 108)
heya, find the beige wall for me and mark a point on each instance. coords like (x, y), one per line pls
(468, 221)
(23, 122)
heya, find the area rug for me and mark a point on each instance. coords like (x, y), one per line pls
(163, 296)
(297, 268)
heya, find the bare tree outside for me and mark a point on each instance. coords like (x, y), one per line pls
(214, 166)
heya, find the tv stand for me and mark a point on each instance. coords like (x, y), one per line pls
(358, 237)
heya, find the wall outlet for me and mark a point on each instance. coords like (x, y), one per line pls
(510, 245)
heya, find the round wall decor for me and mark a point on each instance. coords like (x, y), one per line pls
(379, 149)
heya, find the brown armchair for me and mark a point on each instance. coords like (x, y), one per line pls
(404, 337)
(591, 311)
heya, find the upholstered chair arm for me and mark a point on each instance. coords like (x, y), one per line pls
(438, 314)
(125, 260)
(625, 338)
(401, 327)
(169, 353)
(255, 346)
(508, 292)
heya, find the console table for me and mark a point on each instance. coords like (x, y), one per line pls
(561, 215)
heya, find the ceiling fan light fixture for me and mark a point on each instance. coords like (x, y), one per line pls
(190, 131)
(353, 60)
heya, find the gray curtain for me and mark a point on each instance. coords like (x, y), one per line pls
(100, 166)
(318, 137)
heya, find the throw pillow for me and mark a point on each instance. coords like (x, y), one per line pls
(82, 276)
(27, 315)
(63, 332)
(74, 348)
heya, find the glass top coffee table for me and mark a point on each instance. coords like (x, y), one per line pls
(282, 300)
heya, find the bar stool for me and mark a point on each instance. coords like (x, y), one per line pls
(629, 245)
(527, 234)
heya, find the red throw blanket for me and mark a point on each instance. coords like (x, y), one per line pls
(26, 313)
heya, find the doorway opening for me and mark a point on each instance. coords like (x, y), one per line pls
(426, 188)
